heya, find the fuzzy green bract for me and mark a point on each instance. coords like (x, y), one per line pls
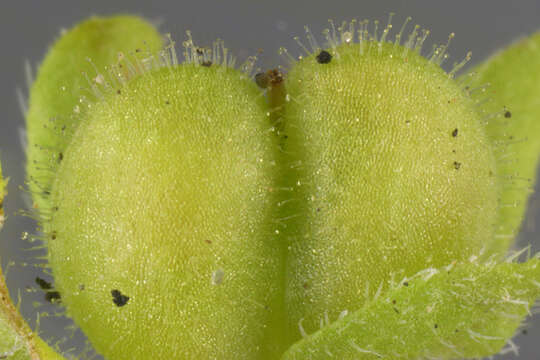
(165, 198)
(512, 82)
(392, 173)
(64, 78)
(463, 311)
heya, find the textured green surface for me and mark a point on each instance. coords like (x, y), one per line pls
(513, 76)
(166, 194)
(54, 104)
(466, 311)
(380, 186)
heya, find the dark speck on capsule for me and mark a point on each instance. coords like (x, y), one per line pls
(118, 298)
(52, 296)
(507, 114)
(455, 132)
(324, 57)
(43, 284)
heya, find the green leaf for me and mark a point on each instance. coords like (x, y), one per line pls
(462, 311)
(513, 93)
(66, 83)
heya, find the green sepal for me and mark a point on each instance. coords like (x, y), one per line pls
(463, 311)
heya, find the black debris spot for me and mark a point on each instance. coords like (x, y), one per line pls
(524, 331)
(118, 298)
(457, 331)
(394, 302)
(406, 283)
(324, 57)
(454, 133)
(53, 296)
(285, 136)
(511, 137)
(137, 50)
(436, 326)
(60, 157)
(396, 310)
(318, 209)
(167, 102)
(208, 241)
(53, 235)
(118, 91)
(43, 284)
(207, 63)
(47, 193)
(507, 114)
(81, 287)
(457, 165)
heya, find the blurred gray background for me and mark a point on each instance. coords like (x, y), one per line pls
(27, 28)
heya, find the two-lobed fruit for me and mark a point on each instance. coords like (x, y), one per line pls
(179, 229)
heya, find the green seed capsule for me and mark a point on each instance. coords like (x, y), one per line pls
(164, 235)
(512, 84)
(390, 173)
(67, 76)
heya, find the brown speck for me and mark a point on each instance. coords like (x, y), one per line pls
(53, 235)
(318, 209)
(436, 326)
(396, 310)
(118, 91)
(208, 241)
(455, 132)
(60, 157)
(406, 283)
(457, 165)
(206, 63)
(306, 285)
(81, 287)
(118, 298)
(324, 57)
(507, 114)
(275, 77)
(394, 302)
